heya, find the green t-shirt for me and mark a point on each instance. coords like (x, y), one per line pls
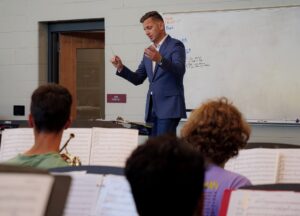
(43, 161)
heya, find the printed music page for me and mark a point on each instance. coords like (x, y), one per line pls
(80, 145)
(15, 141)
(289, 167)
(83, 195)
(115, 198)
(112, 146)
(24, 194)
(254, 203)
(259, 165)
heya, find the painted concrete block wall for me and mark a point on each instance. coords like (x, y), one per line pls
(23, 48)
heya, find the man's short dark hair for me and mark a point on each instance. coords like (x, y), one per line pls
(153, 15)
(166, 177)
(50, 107)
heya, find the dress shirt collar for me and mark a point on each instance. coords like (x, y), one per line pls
(161, 42)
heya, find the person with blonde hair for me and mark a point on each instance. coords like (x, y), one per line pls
(218, 130)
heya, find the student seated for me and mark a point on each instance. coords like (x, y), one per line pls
(49, 115)
(218, 131)
(166, 177)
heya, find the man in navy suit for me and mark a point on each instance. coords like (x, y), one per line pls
(164, 65)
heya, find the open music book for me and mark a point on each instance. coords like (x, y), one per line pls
(32, 192)
(94, 146)
(97, 194)
(257, 202)
(267, 166)
(24, 194)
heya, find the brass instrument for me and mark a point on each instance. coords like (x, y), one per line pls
(70, 159)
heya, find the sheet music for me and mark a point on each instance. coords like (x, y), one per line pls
(96, 146)
(260, 166)
(83, 195)
(259, 203)
(289, 168)
(112, 146)
(24, 194)
(15, 141)
(115, 198)
(80, 145)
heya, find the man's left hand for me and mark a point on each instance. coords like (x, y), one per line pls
(152, 54)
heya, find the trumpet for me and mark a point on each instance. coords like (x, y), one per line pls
(70, 159)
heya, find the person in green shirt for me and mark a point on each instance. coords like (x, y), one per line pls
(50, 114)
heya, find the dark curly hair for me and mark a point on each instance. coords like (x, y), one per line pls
(217, 129)
(166, 177)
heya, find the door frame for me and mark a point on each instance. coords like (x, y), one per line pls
(54, 29)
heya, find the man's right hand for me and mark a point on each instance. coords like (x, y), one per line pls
(117, 62)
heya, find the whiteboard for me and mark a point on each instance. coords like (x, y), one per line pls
(251, 56)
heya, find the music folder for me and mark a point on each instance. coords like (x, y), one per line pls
(33, 185)
(260, 202)
(58, 196)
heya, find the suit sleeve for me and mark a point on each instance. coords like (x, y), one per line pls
(135, 78)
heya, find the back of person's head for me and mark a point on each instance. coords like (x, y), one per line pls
(166, 177)
(217, 129)
(151, 14)
(50, 107)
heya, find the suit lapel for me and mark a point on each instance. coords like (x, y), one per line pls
(149, 69)
(162, 51)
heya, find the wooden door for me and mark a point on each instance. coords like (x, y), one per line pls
(69, 44)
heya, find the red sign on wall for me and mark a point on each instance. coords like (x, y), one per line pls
(116, 98)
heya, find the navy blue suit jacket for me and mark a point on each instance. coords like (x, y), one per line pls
(166, 83)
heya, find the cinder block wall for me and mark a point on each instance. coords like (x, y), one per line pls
(23, 48)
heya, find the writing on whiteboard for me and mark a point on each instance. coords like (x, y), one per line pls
(196, 62)
(168, 28)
